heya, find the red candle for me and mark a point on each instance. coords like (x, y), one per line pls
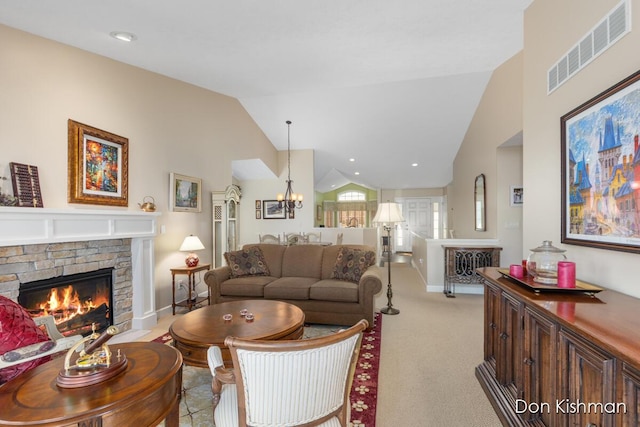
(566, 274)
(524, 267)
(516, 271)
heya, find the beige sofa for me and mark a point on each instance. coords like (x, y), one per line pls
(303, 275)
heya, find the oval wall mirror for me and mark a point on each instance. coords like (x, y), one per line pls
(479, 203)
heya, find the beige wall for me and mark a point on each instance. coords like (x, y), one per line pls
(497, 120)
(518, 87)
(551, 28)
(509, 218)
(171, 127)
(267, 189)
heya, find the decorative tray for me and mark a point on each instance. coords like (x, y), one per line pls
(527, 281)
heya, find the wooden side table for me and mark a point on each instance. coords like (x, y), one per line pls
(190, 272)
(147, 392)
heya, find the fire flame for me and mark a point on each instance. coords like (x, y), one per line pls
(64, 304)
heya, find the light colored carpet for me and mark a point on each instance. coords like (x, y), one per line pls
(196, 406)
(428, 357)
(427, 362)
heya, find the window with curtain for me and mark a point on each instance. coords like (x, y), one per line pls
(350, 210)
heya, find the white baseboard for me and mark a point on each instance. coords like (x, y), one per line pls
(459, 288)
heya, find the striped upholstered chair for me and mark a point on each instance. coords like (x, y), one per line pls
(286, 383)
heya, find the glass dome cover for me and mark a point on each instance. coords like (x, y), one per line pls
(542, 263)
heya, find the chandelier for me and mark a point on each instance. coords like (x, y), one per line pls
(289, 199)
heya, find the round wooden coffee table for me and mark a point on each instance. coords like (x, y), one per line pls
(147, 392)
(198, 330)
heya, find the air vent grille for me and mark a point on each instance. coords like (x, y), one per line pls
(609, 30)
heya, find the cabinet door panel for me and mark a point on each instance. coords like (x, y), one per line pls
(492, 319)
(587, 378)
(540, 358)
(631, 396)
(510, 369)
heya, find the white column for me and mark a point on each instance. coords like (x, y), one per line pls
(144, 296)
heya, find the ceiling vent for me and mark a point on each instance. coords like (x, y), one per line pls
(609, 30)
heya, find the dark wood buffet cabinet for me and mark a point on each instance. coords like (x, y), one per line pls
(560, 359)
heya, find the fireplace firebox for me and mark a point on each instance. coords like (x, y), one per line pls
(76, 302)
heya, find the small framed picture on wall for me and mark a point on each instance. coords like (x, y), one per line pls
(271, 209)
(185, 194)
(516, 195)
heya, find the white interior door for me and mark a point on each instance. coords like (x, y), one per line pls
(417, 218)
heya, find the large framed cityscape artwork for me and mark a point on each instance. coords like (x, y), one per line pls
(601, 169)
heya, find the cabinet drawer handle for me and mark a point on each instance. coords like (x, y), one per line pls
(493, 325)
(504, 336)
(528, 361)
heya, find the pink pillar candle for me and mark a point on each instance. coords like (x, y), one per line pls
(566, 274)
(516, 271)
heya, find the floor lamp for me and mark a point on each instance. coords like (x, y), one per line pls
(388, 214)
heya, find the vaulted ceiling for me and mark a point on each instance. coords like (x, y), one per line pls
(387, 83)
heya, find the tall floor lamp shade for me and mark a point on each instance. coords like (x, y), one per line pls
(388, 214)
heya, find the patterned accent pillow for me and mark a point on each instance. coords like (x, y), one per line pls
(352, 263)
(18, 329)
(247, 262)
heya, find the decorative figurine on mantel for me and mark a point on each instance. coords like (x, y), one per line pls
(94, 364)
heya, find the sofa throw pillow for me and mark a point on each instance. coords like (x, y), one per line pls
(247, 262)
(352, 263)
(18, 329)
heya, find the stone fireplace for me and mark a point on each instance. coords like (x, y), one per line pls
(45, 244)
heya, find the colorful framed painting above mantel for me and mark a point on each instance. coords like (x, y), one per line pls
(97, 168)
(185, 193)
(600, 170)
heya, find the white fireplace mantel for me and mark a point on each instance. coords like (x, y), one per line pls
(31, 226)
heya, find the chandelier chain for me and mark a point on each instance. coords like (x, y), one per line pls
(289, 200)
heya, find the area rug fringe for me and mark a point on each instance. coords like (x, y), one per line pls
(364, 390)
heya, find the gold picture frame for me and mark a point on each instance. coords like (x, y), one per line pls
(98, 166)
(185, 194)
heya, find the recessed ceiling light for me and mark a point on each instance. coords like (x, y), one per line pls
(123, 36)
(414, 164)
(357, 173)
(352, 159)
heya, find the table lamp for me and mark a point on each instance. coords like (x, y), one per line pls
(191, 243)
(387, 215)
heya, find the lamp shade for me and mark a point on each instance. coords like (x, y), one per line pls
(191, 243)
(388, 213)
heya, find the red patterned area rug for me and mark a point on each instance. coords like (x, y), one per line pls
(364, 392)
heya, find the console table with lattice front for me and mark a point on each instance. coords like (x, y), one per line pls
(461, 262)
